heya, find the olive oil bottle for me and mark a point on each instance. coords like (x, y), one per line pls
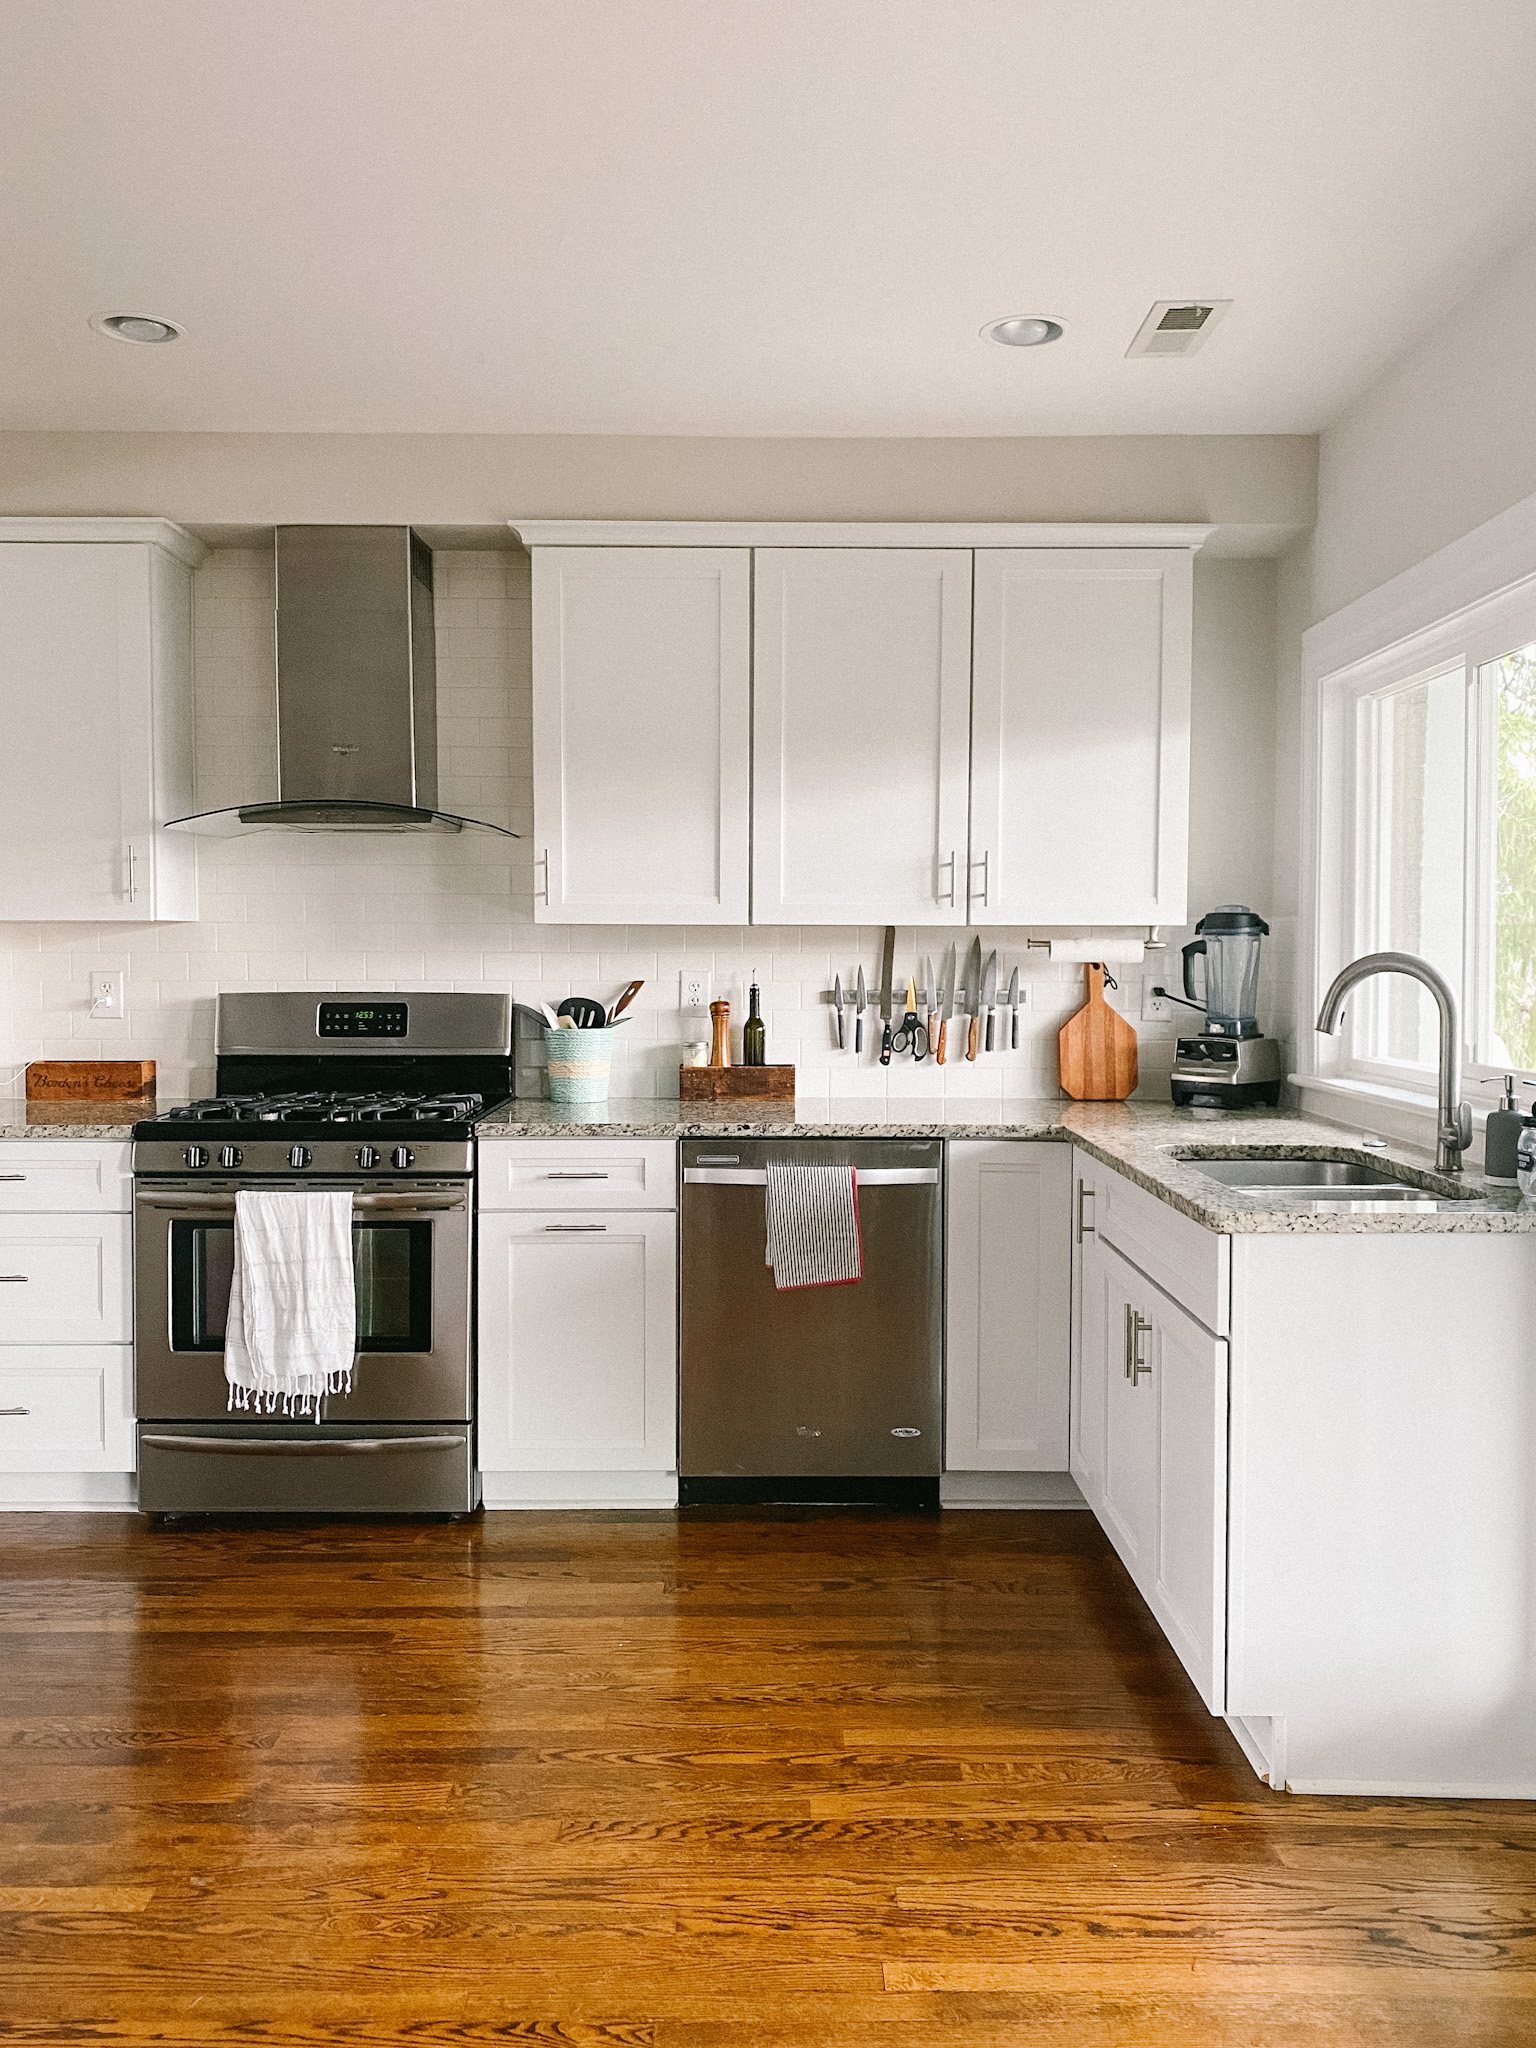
(753, 1037)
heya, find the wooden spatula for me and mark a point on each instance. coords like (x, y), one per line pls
(1097, 1048)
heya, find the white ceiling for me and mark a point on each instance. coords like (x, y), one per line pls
(741, 216)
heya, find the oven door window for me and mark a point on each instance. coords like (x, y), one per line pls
(392, 1262)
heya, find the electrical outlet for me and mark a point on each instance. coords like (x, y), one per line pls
(694, 990)
(107, 997)
(1156, 1009)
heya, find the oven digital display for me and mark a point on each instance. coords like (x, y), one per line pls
(363, 1020)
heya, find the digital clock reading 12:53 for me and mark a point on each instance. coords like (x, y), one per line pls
(363, 1020)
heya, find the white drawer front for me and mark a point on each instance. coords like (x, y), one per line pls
(65, 1280)
(67, 1408)
(64, 1175)
(1189, 1262)
(578, 1173)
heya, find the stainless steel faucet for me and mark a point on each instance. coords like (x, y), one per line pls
(1453, 1118)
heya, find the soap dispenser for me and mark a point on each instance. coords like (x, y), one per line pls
(1501, 1135)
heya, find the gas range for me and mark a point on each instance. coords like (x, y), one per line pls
(340, 1084)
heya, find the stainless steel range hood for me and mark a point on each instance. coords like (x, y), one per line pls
(356, 690)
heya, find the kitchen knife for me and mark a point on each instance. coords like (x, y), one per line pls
(973, 998)
(946, 995)
(858, 1015)
(1013, 1009)
(927, 996)
(887, 969)
(837, 1001)
(989, 992)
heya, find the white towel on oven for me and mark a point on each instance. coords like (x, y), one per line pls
(291, 1336)
(812, 1217)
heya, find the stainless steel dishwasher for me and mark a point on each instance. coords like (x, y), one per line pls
(821, 1393)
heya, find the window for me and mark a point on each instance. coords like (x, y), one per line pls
(1427, 844)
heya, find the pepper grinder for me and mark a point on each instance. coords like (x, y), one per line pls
(720, 1051)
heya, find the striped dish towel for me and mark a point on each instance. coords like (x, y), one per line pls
(813, 1225)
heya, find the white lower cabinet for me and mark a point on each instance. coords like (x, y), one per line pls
(65, 1280)
(66, 1408)
(1008, 1275)
(578, 1343)
(1149, 1452)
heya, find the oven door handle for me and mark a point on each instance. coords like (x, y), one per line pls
(287, 1447)
(389, 1205)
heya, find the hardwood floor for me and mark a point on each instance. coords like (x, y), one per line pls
(730, 1779)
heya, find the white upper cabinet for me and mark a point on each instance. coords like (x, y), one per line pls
(96, 706)
(1080, 742)
(861, 735)
(641, 734)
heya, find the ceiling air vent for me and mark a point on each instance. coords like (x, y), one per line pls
(1177, 327)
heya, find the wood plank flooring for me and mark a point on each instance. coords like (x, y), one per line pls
(728, 1780)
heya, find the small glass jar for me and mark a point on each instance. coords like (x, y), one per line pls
(696, 1053)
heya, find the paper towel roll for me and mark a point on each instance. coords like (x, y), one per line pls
(1112, 952)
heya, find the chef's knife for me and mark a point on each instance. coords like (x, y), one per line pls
(1013, 1009)
(887, 969)
(927, 996)
(989, 992)
(973, 998)
(837, 1000)
(858, 1015)
(946, 995)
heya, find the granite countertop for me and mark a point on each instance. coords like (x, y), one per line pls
(22, 1119)
(1140, 1140)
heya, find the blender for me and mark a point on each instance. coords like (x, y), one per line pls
(1230, 1064)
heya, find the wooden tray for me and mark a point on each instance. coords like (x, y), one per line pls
(736, 1084)
(91, 1081)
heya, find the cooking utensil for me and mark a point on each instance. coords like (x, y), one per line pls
(927, 996)
(1096, 1049)
(973, 999)
(989, 992)
(858, 1017)
(913, 1035)
(837, 1004)
(584, 1013)
(631, 991)
(549, 1017)
(1013, 1009)
(887, 969)
(945, 993)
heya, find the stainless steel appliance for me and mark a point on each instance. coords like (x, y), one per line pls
(356, 689)
(377, 1094)
(818, 1394)
(1229, 1064)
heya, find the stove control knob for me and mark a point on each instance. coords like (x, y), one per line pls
(402, 1156)
(298, 1155)
(196, 1155)
(367, 1155)
(230, 1155)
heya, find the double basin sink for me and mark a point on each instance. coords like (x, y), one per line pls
(1324, 1183)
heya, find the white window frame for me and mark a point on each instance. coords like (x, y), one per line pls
(1466, 607)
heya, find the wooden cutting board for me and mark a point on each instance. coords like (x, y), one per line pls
(1097, 1048)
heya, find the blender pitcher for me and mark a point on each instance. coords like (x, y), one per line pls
(1232, 936)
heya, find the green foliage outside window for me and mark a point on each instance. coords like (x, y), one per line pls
(1514, 999)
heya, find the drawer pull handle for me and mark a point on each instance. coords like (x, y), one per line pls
(15, 1411)
(279, 1447)
(575, 1226)
(575, 1176)
(15, 1279)
(12, 1176)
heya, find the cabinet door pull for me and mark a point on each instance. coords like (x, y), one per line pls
(985, 864)
(576, 1176)
(575, 1226)
(1085, 1193)
(1127, 1347)
(14, 1279)
(542, 861)
(943, 895)
(12, 1176)
(15, 1411)
(1140, 1327)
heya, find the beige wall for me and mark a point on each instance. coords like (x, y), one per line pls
(1441, 441)
(1256, 487)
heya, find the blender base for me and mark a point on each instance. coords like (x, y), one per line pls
(1211, 1072)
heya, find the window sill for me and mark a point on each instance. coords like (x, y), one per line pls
(1406, 1107)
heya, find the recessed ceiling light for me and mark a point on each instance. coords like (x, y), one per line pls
(1024, 330)
(136, 327)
